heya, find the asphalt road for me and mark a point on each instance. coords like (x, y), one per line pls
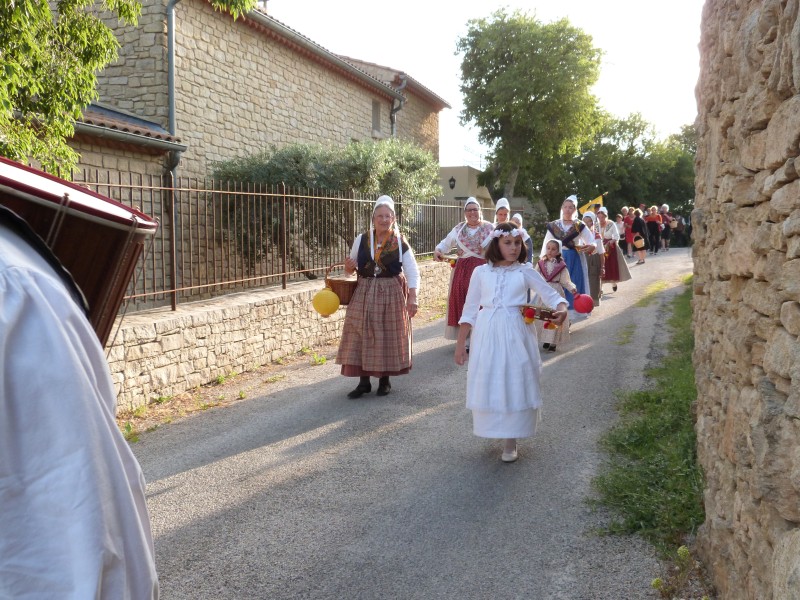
(303, 493)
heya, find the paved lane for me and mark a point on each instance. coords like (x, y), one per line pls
(303, 493)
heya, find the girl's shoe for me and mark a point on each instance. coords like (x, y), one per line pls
(545, 345)
(614, 287)
(509, 457)
(552, 348)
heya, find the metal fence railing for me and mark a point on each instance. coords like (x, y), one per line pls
(217, 238)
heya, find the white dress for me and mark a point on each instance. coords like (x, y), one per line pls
(504, 363)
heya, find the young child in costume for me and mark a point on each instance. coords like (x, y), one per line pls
(554, 271)
(504, 364)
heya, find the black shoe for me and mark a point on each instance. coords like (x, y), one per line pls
(545, 345)
(364, 387)
(384, 387)
(614, 287)
(552, 348)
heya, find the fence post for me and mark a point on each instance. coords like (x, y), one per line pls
(284, 235)
(173, 266)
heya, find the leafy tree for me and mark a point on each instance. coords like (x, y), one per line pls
(526, 87)
(51, 53)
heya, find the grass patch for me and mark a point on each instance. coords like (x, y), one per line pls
(625, 335)
(652, 481)
(651, 293)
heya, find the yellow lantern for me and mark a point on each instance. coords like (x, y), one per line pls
(325, 302)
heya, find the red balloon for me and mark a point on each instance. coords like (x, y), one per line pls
(583, 303)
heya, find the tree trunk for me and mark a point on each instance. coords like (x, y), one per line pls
(508, 190)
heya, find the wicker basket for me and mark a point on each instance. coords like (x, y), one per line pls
(673, 223)
(342, 287)
(638, 241)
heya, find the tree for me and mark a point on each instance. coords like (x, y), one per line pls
(49, 60)
(526, 87)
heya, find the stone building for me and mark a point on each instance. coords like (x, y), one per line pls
(746, 292)
(223, 88)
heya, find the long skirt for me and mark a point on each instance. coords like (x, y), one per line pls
(593, 264)
(578, 273)
(616, 265)
(376, 337)
(519, 424)
(459, 284)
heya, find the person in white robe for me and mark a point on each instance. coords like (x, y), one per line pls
(503, 389)
(73, 516)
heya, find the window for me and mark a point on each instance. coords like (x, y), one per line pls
(376, 115)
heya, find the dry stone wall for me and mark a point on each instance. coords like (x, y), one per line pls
(165, 352)
(746, 227)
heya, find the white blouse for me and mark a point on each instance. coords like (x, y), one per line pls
(505, 288)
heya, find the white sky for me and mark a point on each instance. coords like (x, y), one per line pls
(650, 66)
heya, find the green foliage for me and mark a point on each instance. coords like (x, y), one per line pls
(624, 158)
(526, 87)
(360, 170)
(653, 481)
(394, 167)
(50, 61)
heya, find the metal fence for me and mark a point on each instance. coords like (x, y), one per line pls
(218, 238)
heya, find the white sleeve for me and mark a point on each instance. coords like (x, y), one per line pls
(411, 269)
(587, 236)
(615, 233)
(354, 249)
(536, 282)
(448, 242)
(74, 519)
(472, 304)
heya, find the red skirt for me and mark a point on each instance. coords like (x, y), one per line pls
(616, 267)
(376, 337)
(612, 268)
(459, 286)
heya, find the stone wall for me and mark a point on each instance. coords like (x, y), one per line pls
(417, 123)
(747, 284)
(165, 352)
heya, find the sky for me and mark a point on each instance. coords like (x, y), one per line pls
(650, 63)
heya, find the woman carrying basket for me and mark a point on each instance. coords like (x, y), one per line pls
(376, 338)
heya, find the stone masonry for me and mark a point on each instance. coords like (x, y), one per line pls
(747, 285)
(241, 88)
(163, 353)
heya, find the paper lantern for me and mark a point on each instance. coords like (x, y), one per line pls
(583, 303)
(325, 302)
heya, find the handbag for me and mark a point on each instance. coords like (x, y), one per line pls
(638, 241)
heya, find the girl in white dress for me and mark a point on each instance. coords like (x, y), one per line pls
(505, 406)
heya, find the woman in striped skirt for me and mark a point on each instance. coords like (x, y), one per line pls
(376, 338)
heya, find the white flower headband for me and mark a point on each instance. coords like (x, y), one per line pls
(499, 232)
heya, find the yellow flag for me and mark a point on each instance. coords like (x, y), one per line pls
(585, 207)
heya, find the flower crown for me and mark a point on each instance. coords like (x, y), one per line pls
(499, 232)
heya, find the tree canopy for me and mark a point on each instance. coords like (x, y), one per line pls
(527, 88)
(51, 53)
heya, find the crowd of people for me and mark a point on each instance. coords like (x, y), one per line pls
(497, 275)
